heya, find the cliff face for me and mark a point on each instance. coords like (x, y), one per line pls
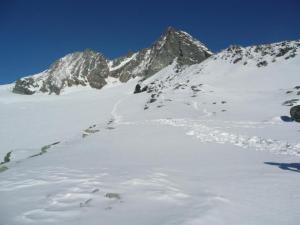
(171, 45)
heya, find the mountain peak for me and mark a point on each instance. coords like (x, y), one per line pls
(170, 29)
(171, 45)
(90, 51)
(172, 32)
(173, 35)
(92, 68)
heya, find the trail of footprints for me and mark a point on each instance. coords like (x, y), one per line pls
(7, 162)
(157, 88)
(91, 130)
(110, 125)
(211, 134)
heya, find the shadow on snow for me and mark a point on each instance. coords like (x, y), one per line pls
(286, 166)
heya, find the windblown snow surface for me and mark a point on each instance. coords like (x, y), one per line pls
(206, 146)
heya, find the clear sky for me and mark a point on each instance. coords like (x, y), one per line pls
(34, 33)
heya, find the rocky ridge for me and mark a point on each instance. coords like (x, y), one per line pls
(260, 55)
(90, 68)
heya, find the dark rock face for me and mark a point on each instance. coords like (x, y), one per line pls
(91, 68)
(295, 113)
(25, 86)
(137, 89)
(262, 63)
(290, 102)
(171, 45)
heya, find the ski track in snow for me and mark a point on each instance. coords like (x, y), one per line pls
(116, 117)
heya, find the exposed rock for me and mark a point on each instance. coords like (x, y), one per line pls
(290, 102)
(262, 63)
(295, 113)
(25, 86)
(283, 51)
(260, 55)
(237, 60)
(89, 68)
(137, 89)
(85, 203)
(152, 100)
(6, 158)
(173, 44)
(80, 68)
(113, 195)
(145, 88)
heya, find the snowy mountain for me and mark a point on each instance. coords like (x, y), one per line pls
(90, 68)
(261, 55)
(203, 144)
(80, 68)
(171, 45)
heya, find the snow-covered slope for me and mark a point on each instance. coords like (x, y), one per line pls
(260, 55)
(203, 145)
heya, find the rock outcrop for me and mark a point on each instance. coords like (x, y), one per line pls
(295, 113)
(171, 45)
(80, 68)
(260, 55)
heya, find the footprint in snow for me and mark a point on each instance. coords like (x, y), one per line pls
(91, 130)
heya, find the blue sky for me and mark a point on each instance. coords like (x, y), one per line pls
(34, 33)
